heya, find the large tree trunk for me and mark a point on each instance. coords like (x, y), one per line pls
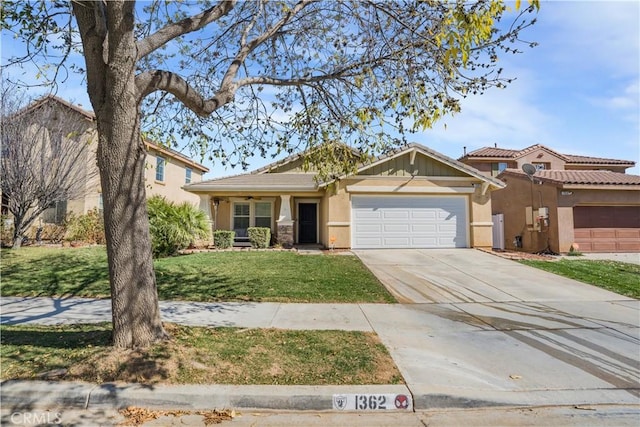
(121, 161)
(134, 297)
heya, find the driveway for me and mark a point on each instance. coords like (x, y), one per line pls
(479, 330)
(418, 276)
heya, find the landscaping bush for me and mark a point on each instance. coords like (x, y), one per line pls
(223, 239)
(174, 226)
(6, 230)
(260, 237)
(87, 228)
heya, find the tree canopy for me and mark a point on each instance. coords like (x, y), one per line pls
(271, 77)
(235, 78)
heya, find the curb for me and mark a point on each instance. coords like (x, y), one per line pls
(78, 395)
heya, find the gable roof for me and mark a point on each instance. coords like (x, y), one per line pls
(92, 117)
(580, 177)
(419, 148)
(262, 181)
(296, 156)
(504, 153)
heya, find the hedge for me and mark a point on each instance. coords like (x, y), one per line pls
(223, 239)
(260, 237)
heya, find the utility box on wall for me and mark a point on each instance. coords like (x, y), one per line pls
(498, 231)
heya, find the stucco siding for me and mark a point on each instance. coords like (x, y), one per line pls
(174, 178)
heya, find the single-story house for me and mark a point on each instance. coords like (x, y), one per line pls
(555, 209)
(413, 197)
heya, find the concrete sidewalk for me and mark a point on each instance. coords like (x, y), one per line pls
(458, 355)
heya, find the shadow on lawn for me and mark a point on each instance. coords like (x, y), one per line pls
(61, 273)
(210, 287)
(64, 339)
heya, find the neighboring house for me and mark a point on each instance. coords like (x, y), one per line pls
(167, 170)
(411, 198)
(493, 160)
(571, 200)
(597, 210)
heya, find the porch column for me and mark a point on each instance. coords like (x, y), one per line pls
(205, 206)
(285, 222)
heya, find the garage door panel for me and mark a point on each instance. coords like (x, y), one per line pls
(628, 234)
(607, 228)
(368, 214)
(424, 228)
(396, 228)
(409, 222)
(368, 228)
(395, 214)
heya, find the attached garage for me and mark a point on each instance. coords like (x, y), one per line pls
(409, 222)
(607, 228)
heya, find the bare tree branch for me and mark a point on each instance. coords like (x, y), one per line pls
(185, 26)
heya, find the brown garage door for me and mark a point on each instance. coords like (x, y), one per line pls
(607, 228)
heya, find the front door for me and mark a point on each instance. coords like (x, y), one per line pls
(308, 222)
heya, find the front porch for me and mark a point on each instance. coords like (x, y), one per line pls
(293, 219)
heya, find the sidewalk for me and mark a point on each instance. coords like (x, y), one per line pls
(452, 355)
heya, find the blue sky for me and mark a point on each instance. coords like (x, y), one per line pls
(577, 92)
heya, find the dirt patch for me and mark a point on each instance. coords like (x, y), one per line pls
(518, 255)
(135, 416)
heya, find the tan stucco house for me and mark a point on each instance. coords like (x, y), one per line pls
(411, 198)
(597, 211)
(586, 202)
(167, 170)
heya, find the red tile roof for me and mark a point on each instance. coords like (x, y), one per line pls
(585, 177)
(505, 153)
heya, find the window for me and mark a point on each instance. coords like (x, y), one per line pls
(263, 214)
(160, 162)
(541, 166)
(187, 176)
(100, 203)
(497, 168)
(241, 218)
(250, 214)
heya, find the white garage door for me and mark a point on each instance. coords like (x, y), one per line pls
(408, 222)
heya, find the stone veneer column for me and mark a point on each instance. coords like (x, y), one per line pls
(285, 222)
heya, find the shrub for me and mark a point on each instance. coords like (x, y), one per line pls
(174, 226)
(260, 237)
(87, 228)
(223, 239)
(6, 230)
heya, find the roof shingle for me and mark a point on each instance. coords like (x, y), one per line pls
(585, 177)
(494, 152)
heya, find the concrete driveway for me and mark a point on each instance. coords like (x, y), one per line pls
(479, 330)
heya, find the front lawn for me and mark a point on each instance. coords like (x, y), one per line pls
(280, 276)
(198, 355)
(620, 277)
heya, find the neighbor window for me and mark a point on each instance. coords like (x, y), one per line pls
(542, 166)
(187, 176)
(497, 168)
(160, 162)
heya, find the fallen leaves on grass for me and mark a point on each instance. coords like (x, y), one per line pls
(135, 416)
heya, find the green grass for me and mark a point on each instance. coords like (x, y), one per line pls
(620, 277)
(198, 355)
(280, 276)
